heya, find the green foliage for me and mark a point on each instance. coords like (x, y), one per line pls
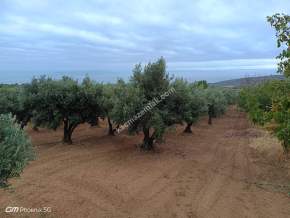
(257, 100)
(281, 23)
(231, 95)
(269, 104)
(128, 101)
(18, 100)
(9, 99)
(112, 93)
(215, 97)
(66, 102)
(281, 113)
(187, 102)
(15, 149)
(202, 84)
(146, 84)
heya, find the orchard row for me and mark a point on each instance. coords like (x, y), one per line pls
(66, 102)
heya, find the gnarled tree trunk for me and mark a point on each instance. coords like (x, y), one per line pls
(188, 128)
(68, 130)
(111, 129)
(148, 140)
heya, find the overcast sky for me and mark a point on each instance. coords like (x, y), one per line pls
(207, 39)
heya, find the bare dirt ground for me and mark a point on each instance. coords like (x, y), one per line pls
(218, 171)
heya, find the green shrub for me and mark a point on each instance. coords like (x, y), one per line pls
(269, 104)
(15, 149)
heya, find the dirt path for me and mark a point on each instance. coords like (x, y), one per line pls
(211, 173)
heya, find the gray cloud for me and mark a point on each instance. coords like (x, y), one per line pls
(53, 35)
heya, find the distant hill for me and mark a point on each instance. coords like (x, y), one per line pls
(247, 81)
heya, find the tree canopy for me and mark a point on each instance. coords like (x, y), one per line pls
(66, 102)
(281, 23)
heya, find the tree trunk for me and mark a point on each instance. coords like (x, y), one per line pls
(22, 125)
(285, 147)
(24, 122)
(95, 122)
(67, 137)
(209, 120)
(147, 140)
(188, 128)
(67, 131)
(210, 113)
(111, 130)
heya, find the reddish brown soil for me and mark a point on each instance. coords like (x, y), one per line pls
(213, 172)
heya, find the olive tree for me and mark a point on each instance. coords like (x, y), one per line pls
(135, 100)
(216, 101)
(187, 103)
(66, 102)
(9, 99)
(18, 100)
(15, 149)
(108, 104)
(11, 102)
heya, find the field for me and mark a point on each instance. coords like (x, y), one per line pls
(218, 171)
